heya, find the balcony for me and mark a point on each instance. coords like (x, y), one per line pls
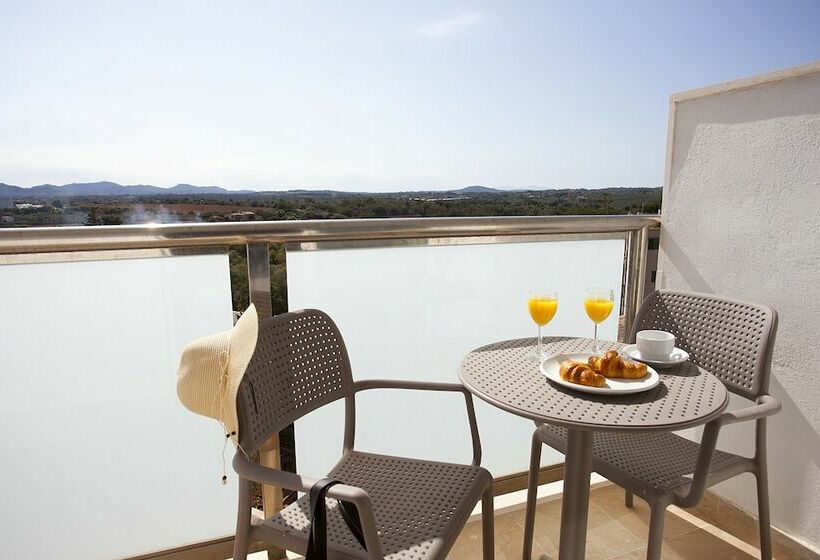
(103, 460)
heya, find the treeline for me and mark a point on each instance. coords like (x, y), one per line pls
(521, 203)
(115, 210)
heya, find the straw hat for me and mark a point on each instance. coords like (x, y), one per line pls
(211, 368)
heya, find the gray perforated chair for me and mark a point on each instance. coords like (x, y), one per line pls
(731, 339)
(410, 509)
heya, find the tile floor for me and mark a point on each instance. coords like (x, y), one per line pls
(614, 532)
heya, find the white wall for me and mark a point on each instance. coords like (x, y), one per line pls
(99, 458)
(414, 312)
(741, 218)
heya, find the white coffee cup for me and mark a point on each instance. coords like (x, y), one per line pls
(655, 344)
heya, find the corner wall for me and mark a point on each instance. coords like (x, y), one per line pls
(741, 218)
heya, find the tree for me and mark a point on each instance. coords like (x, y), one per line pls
(92, 219)
(238, 263)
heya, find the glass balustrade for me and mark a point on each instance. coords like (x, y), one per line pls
(414, 312)
(101, 461)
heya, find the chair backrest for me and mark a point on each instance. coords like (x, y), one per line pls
(731, 339)
(300, 364)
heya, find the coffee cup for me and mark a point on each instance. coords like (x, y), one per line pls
(655, 344)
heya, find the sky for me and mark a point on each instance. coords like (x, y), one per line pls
(369, 96)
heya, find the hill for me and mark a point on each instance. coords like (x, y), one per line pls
(476, 189)
(107, 188)
(110, 189)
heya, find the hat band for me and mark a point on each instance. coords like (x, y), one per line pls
(220, 403)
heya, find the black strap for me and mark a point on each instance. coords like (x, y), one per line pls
(317, 540)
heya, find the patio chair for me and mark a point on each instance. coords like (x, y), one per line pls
(409, 509)
(732, 340)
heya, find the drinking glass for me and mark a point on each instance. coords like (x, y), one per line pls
(542, 306)
(598, 303)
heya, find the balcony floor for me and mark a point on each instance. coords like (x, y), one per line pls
(614, 532)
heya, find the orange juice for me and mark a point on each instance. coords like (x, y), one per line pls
(598, 309)
(542, 309)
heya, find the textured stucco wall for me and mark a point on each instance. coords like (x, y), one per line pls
(741, 217)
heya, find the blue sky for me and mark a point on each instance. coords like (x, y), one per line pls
(368, 95)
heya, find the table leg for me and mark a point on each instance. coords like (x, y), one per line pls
(575, 506)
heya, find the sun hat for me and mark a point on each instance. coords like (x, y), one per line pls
(211, 368)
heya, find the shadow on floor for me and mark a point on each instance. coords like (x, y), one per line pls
(614, 532)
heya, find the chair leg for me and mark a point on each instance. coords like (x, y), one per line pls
(763, 513)
(762, 480)
(243, 521)
(532, 495)
(487, 523)
(628, 499)
(657, 517)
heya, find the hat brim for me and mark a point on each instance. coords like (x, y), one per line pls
(243, 339)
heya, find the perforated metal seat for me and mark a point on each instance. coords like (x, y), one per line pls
(732, 340)
(414, 503)
(410, 509)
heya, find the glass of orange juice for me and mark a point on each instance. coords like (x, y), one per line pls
(598, 303)
(542, 306)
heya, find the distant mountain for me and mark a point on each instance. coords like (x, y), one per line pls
(476, 189)
(10, 190)
(322, 193)
(183, 188)
(107, 188)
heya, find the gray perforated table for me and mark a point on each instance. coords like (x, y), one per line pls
(505, 376)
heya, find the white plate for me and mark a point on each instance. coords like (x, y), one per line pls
(551, 367)
(677, 356)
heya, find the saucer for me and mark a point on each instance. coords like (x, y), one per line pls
(677, 356)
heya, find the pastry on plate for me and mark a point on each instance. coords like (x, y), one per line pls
(580, 374)
(613, 366)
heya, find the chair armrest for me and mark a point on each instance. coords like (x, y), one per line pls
(249, 470)
(368, 384)
(766, 406)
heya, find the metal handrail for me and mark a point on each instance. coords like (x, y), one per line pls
(19, 241)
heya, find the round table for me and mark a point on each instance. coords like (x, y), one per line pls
(506, 376)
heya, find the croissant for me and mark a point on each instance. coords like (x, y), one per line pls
(612, 365)
(580, 374)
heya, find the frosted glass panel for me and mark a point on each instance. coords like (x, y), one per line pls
(101, 461)
(413, 312)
